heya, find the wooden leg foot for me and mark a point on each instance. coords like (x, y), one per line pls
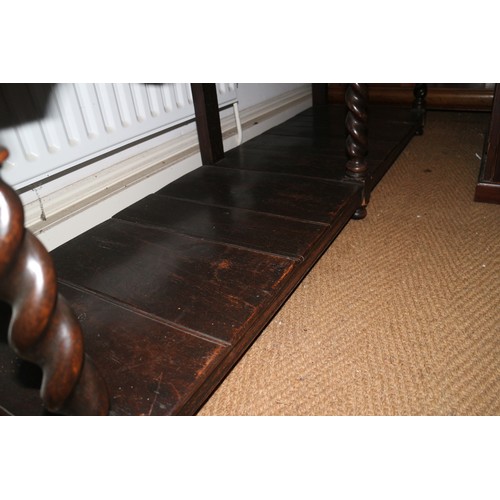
(360, 213)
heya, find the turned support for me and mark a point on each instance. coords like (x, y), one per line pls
(419, 92)
(356, 98)
(43, 329)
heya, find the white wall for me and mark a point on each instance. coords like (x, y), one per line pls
(59, 209)
(251, 94)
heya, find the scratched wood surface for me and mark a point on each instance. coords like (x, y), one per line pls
(173, 290)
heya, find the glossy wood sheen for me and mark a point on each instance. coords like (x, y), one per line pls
(357, 141)
(454, 96)
(313, 144)
(173, 290)
(301, 198)
(207, 122)
(199, 285)
(151, 368)
(287, 237)
(41, 327)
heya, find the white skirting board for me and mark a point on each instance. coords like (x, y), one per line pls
(59, 210)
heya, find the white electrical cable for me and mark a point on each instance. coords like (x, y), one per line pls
(238, 123)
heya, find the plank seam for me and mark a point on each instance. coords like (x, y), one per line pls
(153, 317)
(318, 223)
(293, 258)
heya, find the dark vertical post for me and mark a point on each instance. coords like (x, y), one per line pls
(206, 108)
(319, 93)
(419, 92)
(356, 98)
(488, 185)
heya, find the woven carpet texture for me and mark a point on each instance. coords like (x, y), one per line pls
(401, 315)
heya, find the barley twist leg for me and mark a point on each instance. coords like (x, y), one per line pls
(43, 329)
(357, 139)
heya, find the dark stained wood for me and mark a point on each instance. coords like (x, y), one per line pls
(442, 96)
(305, 165)
(289, 283)
(303, 198)
(325, 145)
(357, 131)
(357, 139)
(492, 150)
(207, 122)
(298, 148)
(420, 91)
(319, 93)
(488, 186)
(487, 192)
(460, 96)
(174, 289)
(389, 130)
(209, 288)
(150, 368)
(253, 230)
(42, 328)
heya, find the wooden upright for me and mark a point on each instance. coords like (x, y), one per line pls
(356, 97)
(43, 329)
(208, 122)
(488, 185)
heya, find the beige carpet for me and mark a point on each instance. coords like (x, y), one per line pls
(401, 316)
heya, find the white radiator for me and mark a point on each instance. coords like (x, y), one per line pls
(83, 120)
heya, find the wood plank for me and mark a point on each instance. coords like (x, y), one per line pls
(326, 148)
(261, 320)
(330, 167)
(208, 288)
(324, 144)
(306, 127)
(309, 163)
(253, 230)
(301, 198)
(150, 368)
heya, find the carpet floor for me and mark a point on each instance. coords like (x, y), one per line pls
(401, 316)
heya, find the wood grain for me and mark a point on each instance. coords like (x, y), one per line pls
(209, 288)
(254, 230)
(303, 198)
